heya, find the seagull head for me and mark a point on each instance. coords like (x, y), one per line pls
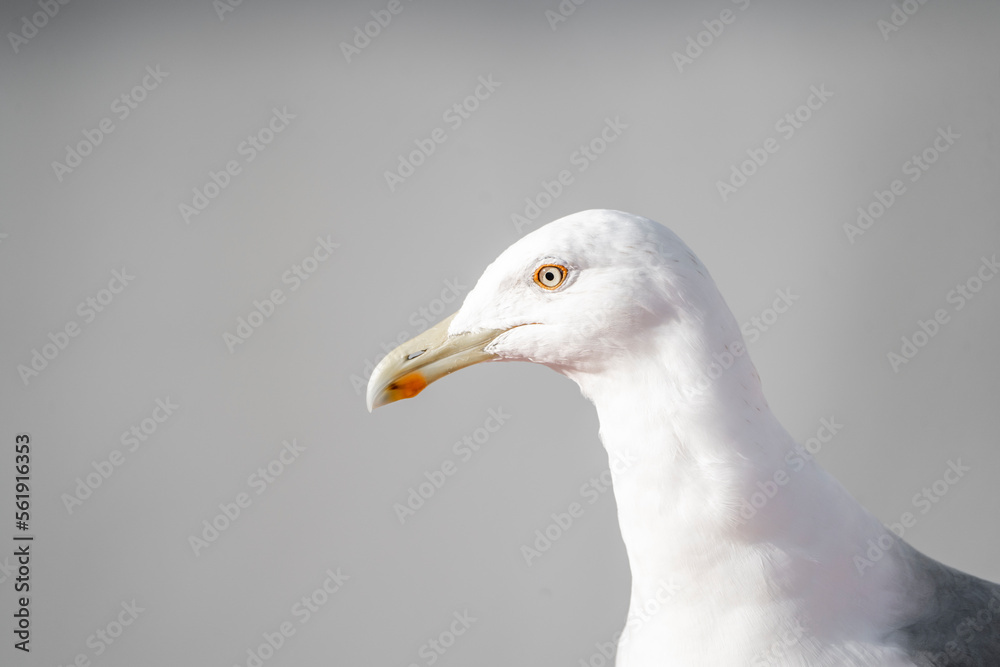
(580, 295)
(620, 305)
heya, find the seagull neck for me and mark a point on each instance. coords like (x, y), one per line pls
(701, 473)
(699, 420)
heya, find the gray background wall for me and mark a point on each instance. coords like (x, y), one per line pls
(299, 375)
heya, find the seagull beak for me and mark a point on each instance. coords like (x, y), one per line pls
(405, 371)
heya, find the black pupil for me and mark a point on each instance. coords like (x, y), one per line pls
(550, 276)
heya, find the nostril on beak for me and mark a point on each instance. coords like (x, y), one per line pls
(413, 355)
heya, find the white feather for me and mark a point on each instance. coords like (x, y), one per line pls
(641, 327)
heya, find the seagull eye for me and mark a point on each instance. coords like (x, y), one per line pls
(550, 276)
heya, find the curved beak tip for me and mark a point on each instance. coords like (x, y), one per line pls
(431, 355)
(407, 386)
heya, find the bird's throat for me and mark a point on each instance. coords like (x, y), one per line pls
(685, 466)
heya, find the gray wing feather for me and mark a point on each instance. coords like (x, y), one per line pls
(957, 623)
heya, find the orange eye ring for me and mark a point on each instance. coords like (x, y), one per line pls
(550, 276)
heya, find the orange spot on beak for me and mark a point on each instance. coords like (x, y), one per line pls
(408, 386)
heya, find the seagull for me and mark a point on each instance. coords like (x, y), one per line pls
(620, 305)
